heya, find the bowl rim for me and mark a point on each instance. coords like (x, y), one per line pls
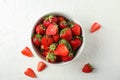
(68, 17)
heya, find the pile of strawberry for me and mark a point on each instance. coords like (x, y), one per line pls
(57, 38)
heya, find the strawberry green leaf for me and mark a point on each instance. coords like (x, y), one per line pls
(53, 46)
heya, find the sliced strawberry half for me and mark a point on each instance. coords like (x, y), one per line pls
(52, 29)
(27, 52)
(61, 50)
(41, 66)
(29, 72)
(95, 26)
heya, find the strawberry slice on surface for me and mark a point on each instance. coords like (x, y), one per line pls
(52, 29)
(66, 34)
(29, 72)
(87, 68)
(95, 26)
(41, 66)
(61, 50)
(27, 52)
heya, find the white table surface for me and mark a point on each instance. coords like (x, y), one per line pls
(102, 48)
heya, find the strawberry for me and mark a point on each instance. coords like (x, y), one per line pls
(46, 22)
(29, 72)
(44, 53)
(67, 58)
(54, 19)
(87, 68)
(66, 34)
(51, 57)
(52, 29)
(36, 39)
(40, 29)
(41, 66)
(95, 26)
(59, 59)
(60, 18)
(46, 42)
(27, 52)
(61, 50)
(56, 37)
(66, 43)
(76, 29)
(49, 19)
(76, 43)
(63, 24)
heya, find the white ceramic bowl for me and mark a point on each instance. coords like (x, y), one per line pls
(79, 51)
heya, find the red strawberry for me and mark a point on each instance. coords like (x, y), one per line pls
(54, 19)
(95, 26)
(51, 57)
(44, 47)
(49, 19)
(41, 66)
(29, 72)
(46, 22)
(76, 29)
(27, 52)
(59, 59)
(76, 43)
(60, 18)
(46, 42)
(66, 34)
(40, 29)
(61, 50)
(56, 37)
(36, 39)
(63, 24)
(87, 68)
(67, 58)
(44, 53)
(52, 29)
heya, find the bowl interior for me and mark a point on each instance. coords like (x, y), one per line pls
(69, 18)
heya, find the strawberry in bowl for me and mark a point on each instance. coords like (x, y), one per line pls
(57, 39)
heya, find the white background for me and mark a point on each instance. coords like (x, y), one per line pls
(102, 49)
